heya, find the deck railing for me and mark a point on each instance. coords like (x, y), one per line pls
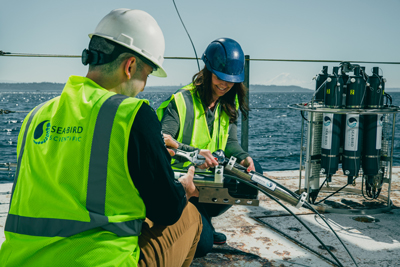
(244, 122)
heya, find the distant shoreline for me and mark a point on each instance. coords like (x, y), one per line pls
(255, 88)
(57, 87)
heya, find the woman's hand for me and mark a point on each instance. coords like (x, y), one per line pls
(170, 142)
(248, 162)
(211, 162)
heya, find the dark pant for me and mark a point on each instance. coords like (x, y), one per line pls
(207, 211)
(206, 241)
(258, 167)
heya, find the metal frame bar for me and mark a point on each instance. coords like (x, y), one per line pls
(390, 110)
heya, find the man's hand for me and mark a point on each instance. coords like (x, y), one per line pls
(211, 162)
(188, 185)
(170, 142)
(248, 162)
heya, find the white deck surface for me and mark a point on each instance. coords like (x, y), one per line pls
(251, 243)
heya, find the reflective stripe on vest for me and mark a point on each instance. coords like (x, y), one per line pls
(96, 188)
(194, 117)
(191, 115)
(189, 120)
(187, 130)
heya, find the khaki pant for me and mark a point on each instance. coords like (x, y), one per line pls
(174, 245)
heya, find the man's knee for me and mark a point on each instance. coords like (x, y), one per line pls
(190, 217)
(191, 213)
(158, 243)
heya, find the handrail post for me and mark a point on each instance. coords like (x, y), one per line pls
(245, 122)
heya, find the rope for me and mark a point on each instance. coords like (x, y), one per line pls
(7, 166)
(323, 60)
(2, 53)
(5, 111)
(183, 24)
(269, 108)
(35, 55)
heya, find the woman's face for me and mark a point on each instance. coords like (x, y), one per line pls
(219, 87)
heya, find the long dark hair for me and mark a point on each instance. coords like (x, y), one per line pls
(202, 82)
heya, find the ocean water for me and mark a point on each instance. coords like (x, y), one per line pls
(274, 129)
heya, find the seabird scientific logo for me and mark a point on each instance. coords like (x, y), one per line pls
(327, 121)
(380, 120)
(42, 133)
(352, 122)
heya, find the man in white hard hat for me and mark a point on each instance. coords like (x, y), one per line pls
(94, 186)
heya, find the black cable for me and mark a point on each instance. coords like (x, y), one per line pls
(297, 196)
(302, 115)
(240, 167)
(311, 208)
(295, 240)
(340, 240)
(322, 184)
(364, 74)
(308, 206)
(388, 98)
(2, 53)
(378, 193)
(288, 210)
(372, 195)
(198, 65)
(368, 192)
(331, 194)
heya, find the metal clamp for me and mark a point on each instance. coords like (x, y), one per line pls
(219, 174)
(231, 163)
(303, 198)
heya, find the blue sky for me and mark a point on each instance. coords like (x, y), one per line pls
(344, 30)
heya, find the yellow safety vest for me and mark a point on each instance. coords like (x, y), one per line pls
(73, 201)
(193, 129)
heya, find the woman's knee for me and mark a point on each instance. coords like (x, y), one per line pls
(205, 243)
(258, 167)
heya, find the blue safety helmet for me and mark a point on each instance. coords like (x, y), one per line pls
(225, 58)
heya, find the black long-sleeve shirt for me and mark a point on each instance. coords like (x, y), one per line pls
(150, 168)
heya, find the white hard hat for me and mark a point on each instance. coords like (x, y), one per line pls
(136, 30)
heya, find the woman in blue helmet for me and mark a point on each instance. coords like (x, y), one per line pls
(203, 116)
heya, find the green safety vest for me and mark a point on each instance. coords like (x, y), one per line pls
(193, 129)
(73, 201)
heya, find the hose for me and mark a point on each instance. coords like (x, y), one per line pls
(290, 200)
(294, 215)
(305, 203)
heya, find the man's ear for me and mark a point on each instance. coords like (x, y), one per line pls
(130, 67)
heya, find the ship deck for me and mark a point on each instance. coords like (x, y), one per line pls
(267, 235)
